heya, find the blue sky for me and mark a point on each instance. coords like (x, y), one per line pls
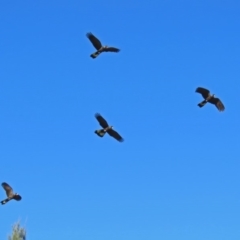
(176, 176)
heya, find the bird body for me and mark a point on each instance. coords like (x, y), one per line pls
(10, 194)
(201, 104)
(101, 132)
(98, 45)
(106, 129)
(209, 98)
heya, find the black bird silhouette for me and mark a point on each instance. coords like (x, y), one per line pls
(106, 129)
(10, 194)
(98, 45)
(209, 98)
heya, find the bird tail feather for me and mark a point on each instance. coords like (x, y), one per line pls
(4, 201)
(201, 104)
(100, 133)
(94, 55)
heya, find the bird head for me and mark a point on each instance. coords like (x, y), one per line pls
(111, 127)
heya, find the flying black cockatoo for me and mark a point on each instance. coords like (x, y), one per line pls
(106, 129)
(100, 48)
(10, 194)
(209, 98)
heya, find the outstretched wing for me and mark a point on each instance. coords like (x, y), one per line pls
(8, 189)
(205, 93)
(217, 102)
(112, 49)
(115, 135)
(95, 42)
(103, 123)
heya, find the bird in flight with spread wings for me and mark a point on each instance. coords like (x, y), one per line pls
(10, 194)
(98, 45)
(106, 129)
(209, 98)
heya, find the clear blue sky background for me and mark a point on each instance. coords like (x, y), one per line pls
(176, 176)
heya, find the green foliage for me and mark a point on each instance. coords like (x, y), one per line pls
(18, 232)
